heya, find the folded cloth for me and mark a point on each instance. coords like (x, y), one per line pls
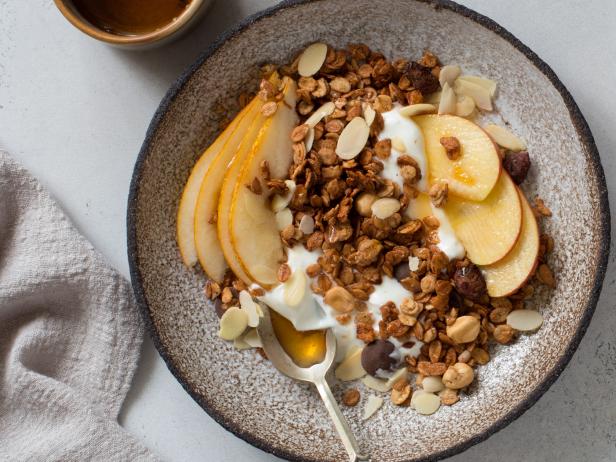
(69, 335)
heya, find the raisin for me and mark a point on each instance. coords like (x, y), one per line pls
(517, 165)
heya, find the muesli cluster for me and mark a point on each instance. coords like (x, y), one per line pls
(337, 201)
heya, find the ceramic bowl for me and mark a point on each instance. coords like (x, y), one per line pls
(241, 390)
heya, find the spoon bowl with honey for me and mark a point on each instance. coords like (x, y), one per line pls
(306, 356)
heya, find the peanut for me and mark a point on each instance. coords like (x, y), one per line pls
(458, 376)
(340, 299)
(465, 329)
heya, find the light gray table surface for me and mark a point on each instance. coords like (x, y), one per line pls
(75, 111)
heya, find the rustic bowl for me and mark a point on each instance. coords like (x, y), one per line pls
(240, 389)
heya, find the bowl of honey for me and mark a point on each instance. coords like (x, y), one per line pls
(133, 23)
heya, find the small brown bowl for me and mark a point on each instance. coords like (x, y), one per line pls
(193, 12)
(241, 390)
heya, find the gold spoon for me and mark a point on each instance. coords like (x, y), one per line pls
(314, 374)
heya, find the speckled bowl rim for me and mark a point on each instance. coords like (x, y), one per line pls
(597, 173)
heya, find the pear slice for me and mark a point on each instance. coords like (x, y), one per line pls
(509, 274)
(209, 250)
(488, 229)
(186, 211)
(252, 223)
(473, 175)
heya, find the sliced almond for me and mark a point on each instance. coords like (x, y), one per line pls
(369, 113)
(306, 224)
(312, 59)
(398, 144)
(465, 106)
(525, 320)
(449, 74)
(321, 112)
(488, 84)
(284, 218)
(399, 374)
(417, 109)
(251, 337)
(373, 404)
(480, 95)
(376, 384)
(505, 138)
(413, 263)
(432, 384)
(350, 368)
(279, 201)
(295, 288)
(240, 344)
(426, 403)
(385, 207)
(309, 140)
(447, 105)
(352, 139)
(250, 307)
(233, 323)
(416, 394)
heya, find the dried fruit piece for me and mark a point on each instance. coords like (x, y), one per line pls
(465, 329)
(505, 138)
(372, 405)
(525, 320)
(458, 376)
(233, 323)
(352, 139)
(384, 208)
(417, 109)
(295, 288)
(312, 59)
(351, 368)
(376, 355)
(517, 165)
(469, 282)
(421, 78)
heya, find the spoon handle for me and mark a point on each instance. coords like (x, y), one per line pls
(341, 424)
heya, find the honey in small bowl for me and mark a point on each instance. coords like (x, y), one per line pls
(130, 17)
(304, 348)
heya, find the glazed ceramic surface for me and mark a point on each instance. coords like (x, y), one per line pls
(240, 389)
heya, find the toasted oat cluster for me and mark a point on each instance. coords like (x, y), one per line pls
(336, 201)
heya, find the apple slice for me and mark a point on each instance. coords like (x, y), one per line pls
(488, 229)
(509, 274)
(473, 175)
(188, 203)
(253, 231)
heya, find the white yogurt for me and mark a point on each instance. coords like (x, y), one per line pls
(403, 128)
(449, 243)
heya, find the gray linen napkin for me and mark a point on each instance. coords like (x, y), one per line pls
(69, 335)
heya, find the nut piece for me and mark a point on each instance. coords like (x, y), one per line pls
(386, 207)
(317, 115)
(438, 193)
(340, 299)
(448, 102)
(449, 74)
(505, 138)
(351, 397)
(503, 334)
(376, 355)
(312, 59)
(233, 323)
(372, 405)
(525, 320)
(432, 384)
(465, 329)
(363, 204)
(417, 109)
(458, 376)
(449, 397)
(295, 288)
(352, 139)
(452, 147)
(425, 403)
(351, 368)
(470, 282)
(517, 165)
(400, 391)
